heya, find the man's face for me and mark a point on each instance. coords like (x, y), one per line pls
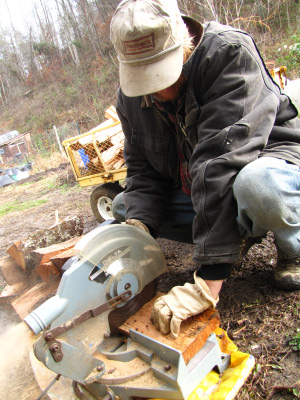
(172, 93)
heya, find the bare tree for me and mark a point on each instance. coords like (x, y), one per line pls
(68, 29)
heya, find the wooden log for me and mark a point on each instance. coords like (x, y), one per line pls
(21, 251)
(34, 297)
(193, 332)
(48, 272)
(112, 113)
(43, 255)
(59, 259)
(11, 271)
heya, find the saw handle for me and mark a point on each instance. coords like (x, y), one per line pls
(112, 303)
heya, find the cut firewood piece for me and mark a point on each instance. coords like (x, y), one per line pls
(95, 166)
(76, 146)
(11, 271)
(34, 297)
(112, 113)
(90, 150)
(118, 138)
(43, 255)
(13, 290)
(193, 332)
(48, 272)
(59, 259)
(119, 164)
(117, 156)
(21, 251)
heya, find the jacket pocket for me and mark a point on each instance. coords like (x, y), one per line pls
(150, 141)
(235, 137)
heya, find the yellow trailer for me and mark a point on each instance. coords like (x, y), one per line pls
(97, 160)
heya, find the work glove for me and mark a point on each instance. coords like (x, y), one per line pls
(181, 303)
(137, 223)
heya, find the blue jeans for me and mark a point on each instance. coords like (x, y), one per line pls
(267, 192)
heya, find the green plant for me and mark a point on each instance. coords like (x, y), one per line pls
(295, 341)
(296, 392)
(289, 54)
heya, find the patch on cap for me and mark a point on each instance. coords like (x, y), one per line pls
(139, 46)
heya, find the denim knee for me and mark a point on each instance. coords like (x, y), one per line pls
(264, 193)
(251, 187)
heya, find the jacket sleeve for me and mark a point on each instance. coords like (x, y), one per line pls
(147, 190)
(238, 104)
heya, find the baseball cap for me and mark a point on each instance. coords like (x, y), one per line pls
(148, 38)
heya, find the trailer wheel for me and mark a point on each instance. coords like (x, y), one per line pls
(101, 200)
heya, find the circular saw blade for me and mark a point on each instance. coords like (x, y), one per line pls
(118, 316)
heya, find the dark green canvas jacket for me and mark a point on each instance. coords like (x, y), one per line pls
(233, 114)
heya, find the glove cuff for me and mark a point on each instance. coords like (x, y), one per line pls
(204, 290)
(138, 224)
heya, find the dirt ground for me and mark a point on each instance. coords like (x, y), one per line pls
(258, 318)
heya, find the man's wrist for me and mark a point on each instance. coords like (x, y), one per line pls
(214, 287)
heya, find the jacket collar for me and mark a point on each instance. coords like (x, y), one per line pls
(196, 30)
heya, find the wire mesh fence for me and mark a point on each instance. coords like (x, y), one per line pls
(48, 141)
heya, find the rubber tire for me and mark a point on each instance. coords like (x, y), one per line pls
(104, 194)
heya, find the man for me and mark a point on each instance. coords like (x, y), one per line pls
(211, 144)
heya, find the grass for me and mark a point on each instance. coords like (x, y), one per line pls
(51, 160)
(48, 184)
(13, 206)
(65, 187)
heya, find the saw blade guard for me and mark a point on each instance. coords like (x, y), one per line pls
(111, 259)
(117, 250)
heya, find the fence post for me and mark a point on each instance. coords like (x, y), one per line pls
(58, 141)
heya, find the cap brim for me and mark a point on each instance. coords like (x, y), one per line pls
(151, 78)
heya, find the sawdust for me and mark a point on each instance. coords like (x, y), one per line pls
(148, 380)
(16, 377)
(121, 371)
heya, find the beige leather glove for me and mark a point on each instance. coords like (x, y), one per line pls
(137, 223)
(181, 303)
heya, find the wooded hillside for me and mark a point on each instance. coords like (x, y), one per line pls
(64, 67)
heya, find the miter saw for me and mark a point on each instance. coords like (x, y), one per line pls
(110, 279)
